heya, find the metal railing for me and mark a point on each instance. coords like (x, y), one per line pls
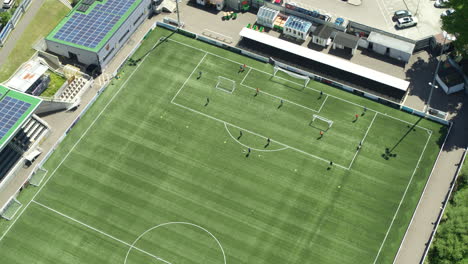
(19, 12)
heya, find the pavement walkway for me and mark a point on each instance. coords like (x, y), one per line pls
(419, 232)
(17, 32)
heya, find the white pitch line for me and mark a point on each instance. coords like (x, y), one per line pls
(242, 144)
(293, 148)
(76, 144)
(402, 199)
(310, 88)
(362, 141)
(100, 232)
(320, 109)
(245, 77)
(186, 80)
(281, 98)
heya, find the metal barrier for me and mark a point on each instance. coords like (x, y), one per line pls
(19, 12)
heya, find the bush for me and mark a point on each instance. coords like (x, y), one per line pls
(5, 17)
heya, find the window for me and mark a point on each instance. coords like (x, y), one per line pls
(124, 35)
(138, 19)
(108, 54)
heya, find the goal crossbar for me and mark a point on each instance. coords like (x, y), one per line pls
(330, 123)
(225, 84)
(292, 74)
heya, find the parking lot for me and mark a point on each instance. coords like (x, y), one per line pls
(378, 14)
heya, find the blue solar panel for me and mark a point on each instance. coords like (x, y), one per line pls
(11, 110)
(89, 29)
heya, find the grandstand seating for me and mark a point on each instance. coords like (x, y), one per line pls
(30, 132)
(73, 89)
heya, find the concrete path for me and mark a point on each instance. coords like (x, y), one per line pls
(421, 227)
(17, 32)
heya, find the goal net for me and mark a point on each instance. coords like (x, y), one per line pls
(321, 123)
(11, 209)
(225, 84)
(303, 78)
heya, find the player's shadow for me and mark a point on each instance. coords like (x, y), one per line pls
(389, 151)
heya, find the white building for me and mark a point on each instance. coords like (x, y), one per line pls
(95, 30)
(297, 28)
(266, 16)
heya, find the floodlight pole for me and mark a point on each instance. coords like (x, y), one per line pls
(177, 10)
(426, 109)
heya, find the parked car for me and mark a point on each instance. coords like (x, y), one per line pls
(7, 4)
(339, 21)
(441, 3)
(406, 22)
(400, 14)
(447, 12)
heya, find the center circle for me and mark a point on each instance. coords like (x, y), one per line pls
(133, 247)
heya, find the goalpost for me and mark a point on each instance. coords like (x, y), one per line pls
(306, 79)
(328, 121)
(225, 84)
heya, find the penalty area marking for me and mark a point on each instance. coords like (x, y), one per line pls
(310, 88)
(242, 144)
(172, 223)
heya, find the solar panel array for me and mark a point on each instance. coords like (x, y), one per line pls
(11, 110)
(89, 29)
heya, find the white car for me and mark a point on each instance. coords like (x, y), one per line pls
(7, 4)
(406, 22)
(441, 3)
(447, 12)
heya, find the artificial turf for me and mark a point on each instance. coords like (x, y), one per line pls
(152, 155)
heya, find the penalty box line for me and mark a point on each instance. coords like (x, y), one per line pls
(310, 88)
(363, 139)
(251, 132)
(278, 97)
(100, 232)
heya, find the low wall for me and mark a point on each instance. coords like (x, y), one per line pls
(302, 72)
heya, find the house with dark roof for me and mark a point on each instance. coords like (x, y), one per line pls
(322, 35)
(346, 41)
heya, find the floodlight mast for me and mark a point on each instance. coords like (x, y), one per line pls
(426, 110)
(177, 10)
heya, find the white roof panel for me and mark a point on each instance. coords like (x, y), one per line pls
(325, 59)
(27, 75)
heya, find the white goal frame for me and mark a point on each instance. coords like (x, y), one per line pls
(330, 123)
(226, 85)
(292, 74)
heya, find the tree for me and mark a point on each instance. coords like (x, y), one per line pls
(452, 236)
(456, 24)
(4, 17)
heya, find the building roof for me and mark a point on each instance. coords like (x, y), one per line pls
(92, 23)
(347, 40)
(15, 109)
(391, 42)
(326, 59)
(298, 24)
(27, 75)
(267, 13)
(323, 31)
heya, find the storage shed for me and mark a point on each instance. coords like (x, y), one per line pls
(297, 28)
(392, 47)
(266, 16)
(346, 41)
(322, 34)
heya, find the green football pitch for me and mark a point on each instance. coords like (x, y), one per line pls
(182, 160)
